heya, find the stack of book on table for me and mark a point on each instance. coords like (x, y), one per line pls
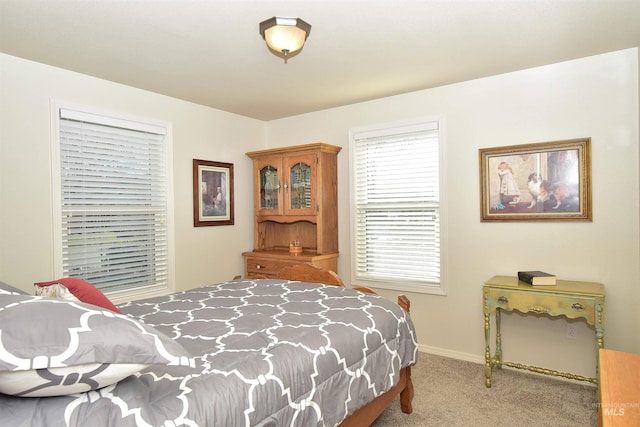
(537, 278)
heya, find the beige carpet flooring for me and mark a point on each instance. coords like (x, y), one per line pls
(451, 392)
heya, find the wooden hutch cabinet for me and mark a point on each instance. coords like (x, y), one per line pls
(295, 199)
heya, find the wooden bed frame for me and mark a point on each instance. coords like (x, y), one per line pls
(368, 413)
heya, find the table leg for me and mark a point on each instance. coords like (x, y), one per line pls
(599, 333)
(487, 344)
(599, 325)
(498, 361)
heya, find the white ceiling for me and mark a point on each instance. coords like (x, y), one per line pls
(210, 52)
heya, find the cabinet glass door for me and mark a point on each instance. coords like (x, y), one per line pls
(269, 188)
(300, 180)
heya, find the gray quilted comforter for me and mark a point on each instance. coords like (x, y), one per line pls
(267, 353)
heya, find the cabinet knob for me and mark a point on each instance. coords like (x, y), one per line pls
(258, 266)
(503, 300)
(577, 306)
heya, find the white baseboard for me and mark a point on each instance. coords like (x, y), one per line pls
(467, 357)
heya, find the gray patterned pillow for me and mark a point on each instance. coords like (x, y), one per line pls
(52, 347)
(8, 289)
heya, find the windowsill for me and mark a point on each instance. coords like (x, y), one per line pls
(120, 297)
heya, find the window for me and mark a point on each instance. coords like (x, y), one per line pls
(113, 222)
(396, 206)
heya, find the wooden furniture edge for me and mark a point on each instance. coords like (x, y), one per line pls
(322, 146)
(618, 390)
(309, 273)
(368, 413)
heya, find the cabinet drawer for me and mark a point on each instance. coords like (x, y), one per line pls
(553, 304)
(264, 266)
(269, 263)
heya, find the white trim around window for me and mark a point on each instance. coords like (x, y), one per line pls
(112, 195)
(398, 219)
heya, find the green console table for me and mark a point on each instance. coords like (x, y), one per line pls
(567, 298)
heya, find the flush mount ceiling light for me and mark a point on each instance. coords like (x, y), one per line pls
(285, 36)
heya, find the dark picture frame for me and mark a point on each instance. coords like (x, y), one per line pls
(212, 193)
(547, 181)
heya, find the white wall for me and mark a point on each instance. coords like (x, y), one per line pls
(203, 255)
(593, 97)
(596, 97)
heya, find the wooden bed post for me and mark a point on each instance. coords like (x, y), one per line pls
(404, 302)
(406, 395)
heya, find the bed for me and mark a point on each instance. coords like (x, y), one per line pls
(247, 352)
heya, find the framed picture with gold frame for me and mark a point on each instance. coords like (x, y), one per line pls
(547, 181)
(212, 193)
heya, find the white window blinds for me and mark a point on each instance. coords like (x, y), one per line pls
(113, 191)
(396, 189)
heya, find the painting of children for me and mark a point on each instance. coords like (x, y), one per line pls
(536, 181)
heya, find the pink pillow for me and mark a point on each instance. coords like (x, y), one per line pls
(84, 291)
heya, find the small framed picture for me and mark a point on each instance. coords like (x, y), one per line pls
(212, 193)
(548, 181)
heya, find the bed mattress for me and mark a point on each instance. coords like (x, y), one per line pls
(265, 353)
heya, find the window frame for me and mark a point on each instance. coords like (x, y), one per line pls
(392, 283)
(123, 295)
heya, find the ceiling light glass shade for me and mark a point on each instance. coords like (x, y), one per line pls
(285, 36)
